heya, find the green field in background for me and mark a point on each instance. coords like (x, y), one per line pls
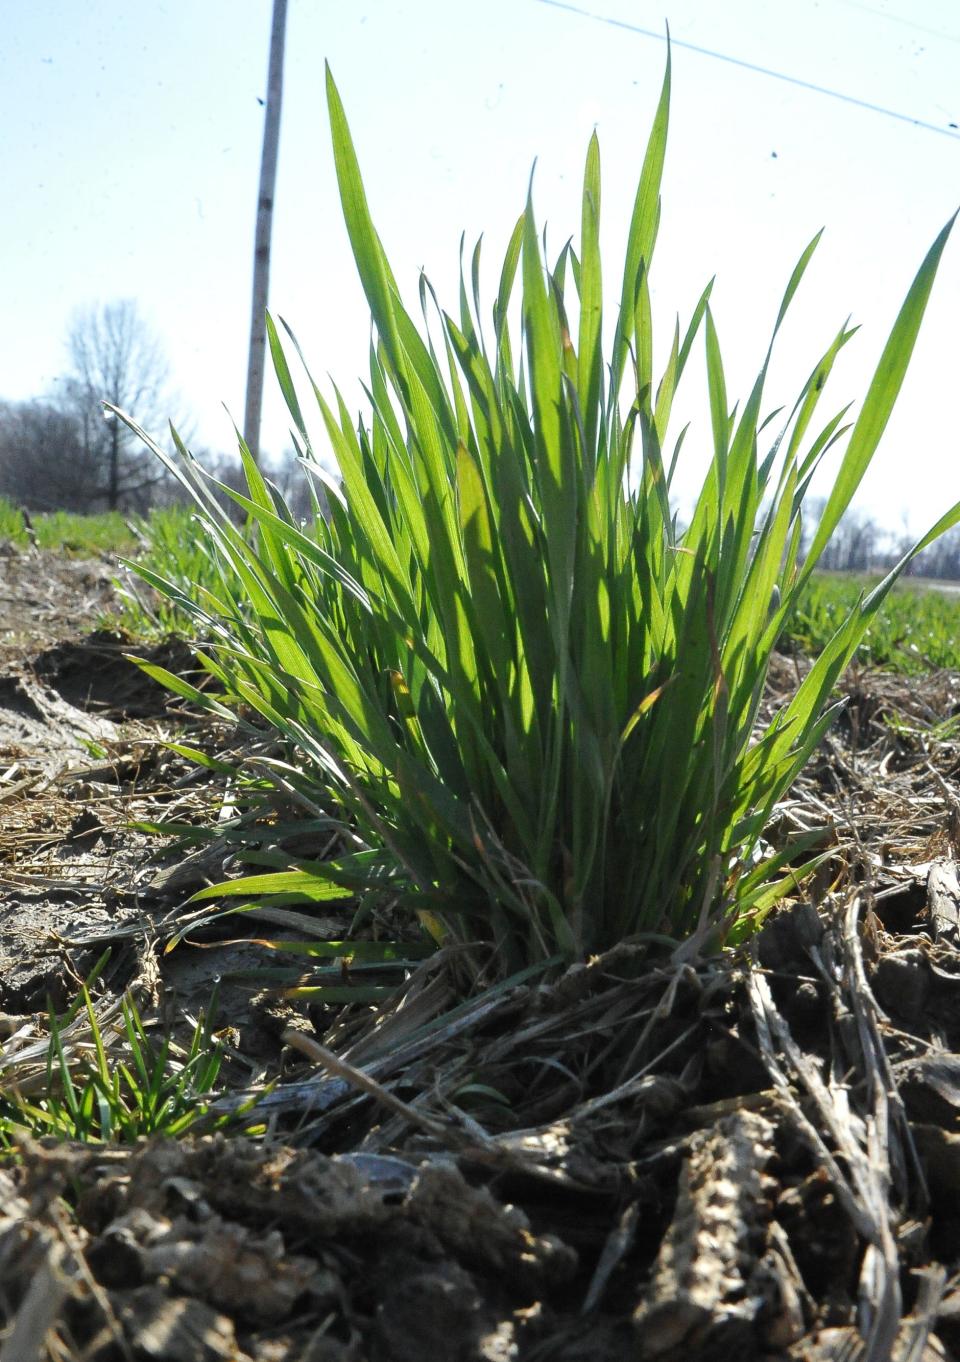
(917, 627)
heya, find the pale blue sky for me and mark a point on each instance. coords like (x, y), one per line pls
(131, 144)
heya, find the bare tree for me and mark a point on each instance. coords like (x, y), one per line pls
(116, 358)
(261, 248)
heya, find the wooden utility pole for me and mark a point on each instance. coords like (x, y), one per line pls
(261, 248)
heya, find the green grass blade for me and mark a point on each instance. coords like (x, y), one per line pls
(881, 395)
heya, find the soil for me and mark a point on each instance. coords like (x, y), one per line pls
(751, 1156)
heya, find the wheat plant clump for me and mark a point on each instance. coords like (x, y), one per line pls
(526, 696)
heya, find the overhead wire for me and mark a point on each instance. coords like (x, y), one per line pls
(951, 132)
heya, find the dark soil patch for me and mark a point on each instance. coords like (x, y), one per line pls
(94, 674)
(647, 1158)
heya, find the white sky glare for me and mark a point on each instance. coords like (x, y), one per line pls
(131, 148)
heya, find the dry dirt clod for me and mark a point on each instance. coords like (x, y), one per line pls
(902, 983)
(474, 1225)
(438, 1313)
(165, 1328)
(930, 1087)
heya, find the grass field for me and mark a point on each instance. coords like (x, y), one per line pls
(81, 536)
(917, 627)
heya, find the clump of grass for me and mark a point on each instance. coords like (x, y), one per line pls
(529, 699)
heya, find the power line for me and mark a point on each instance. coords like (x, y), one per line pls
(952, 133)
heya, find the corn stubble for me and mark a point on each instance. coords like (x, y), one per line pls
(527, 696)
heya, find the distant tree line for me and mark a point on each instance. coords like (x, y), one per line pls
(859, 544)
(62, 451)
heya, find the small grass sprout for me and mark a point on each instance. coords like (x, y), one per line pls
(117, 1088)
(530, 698)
